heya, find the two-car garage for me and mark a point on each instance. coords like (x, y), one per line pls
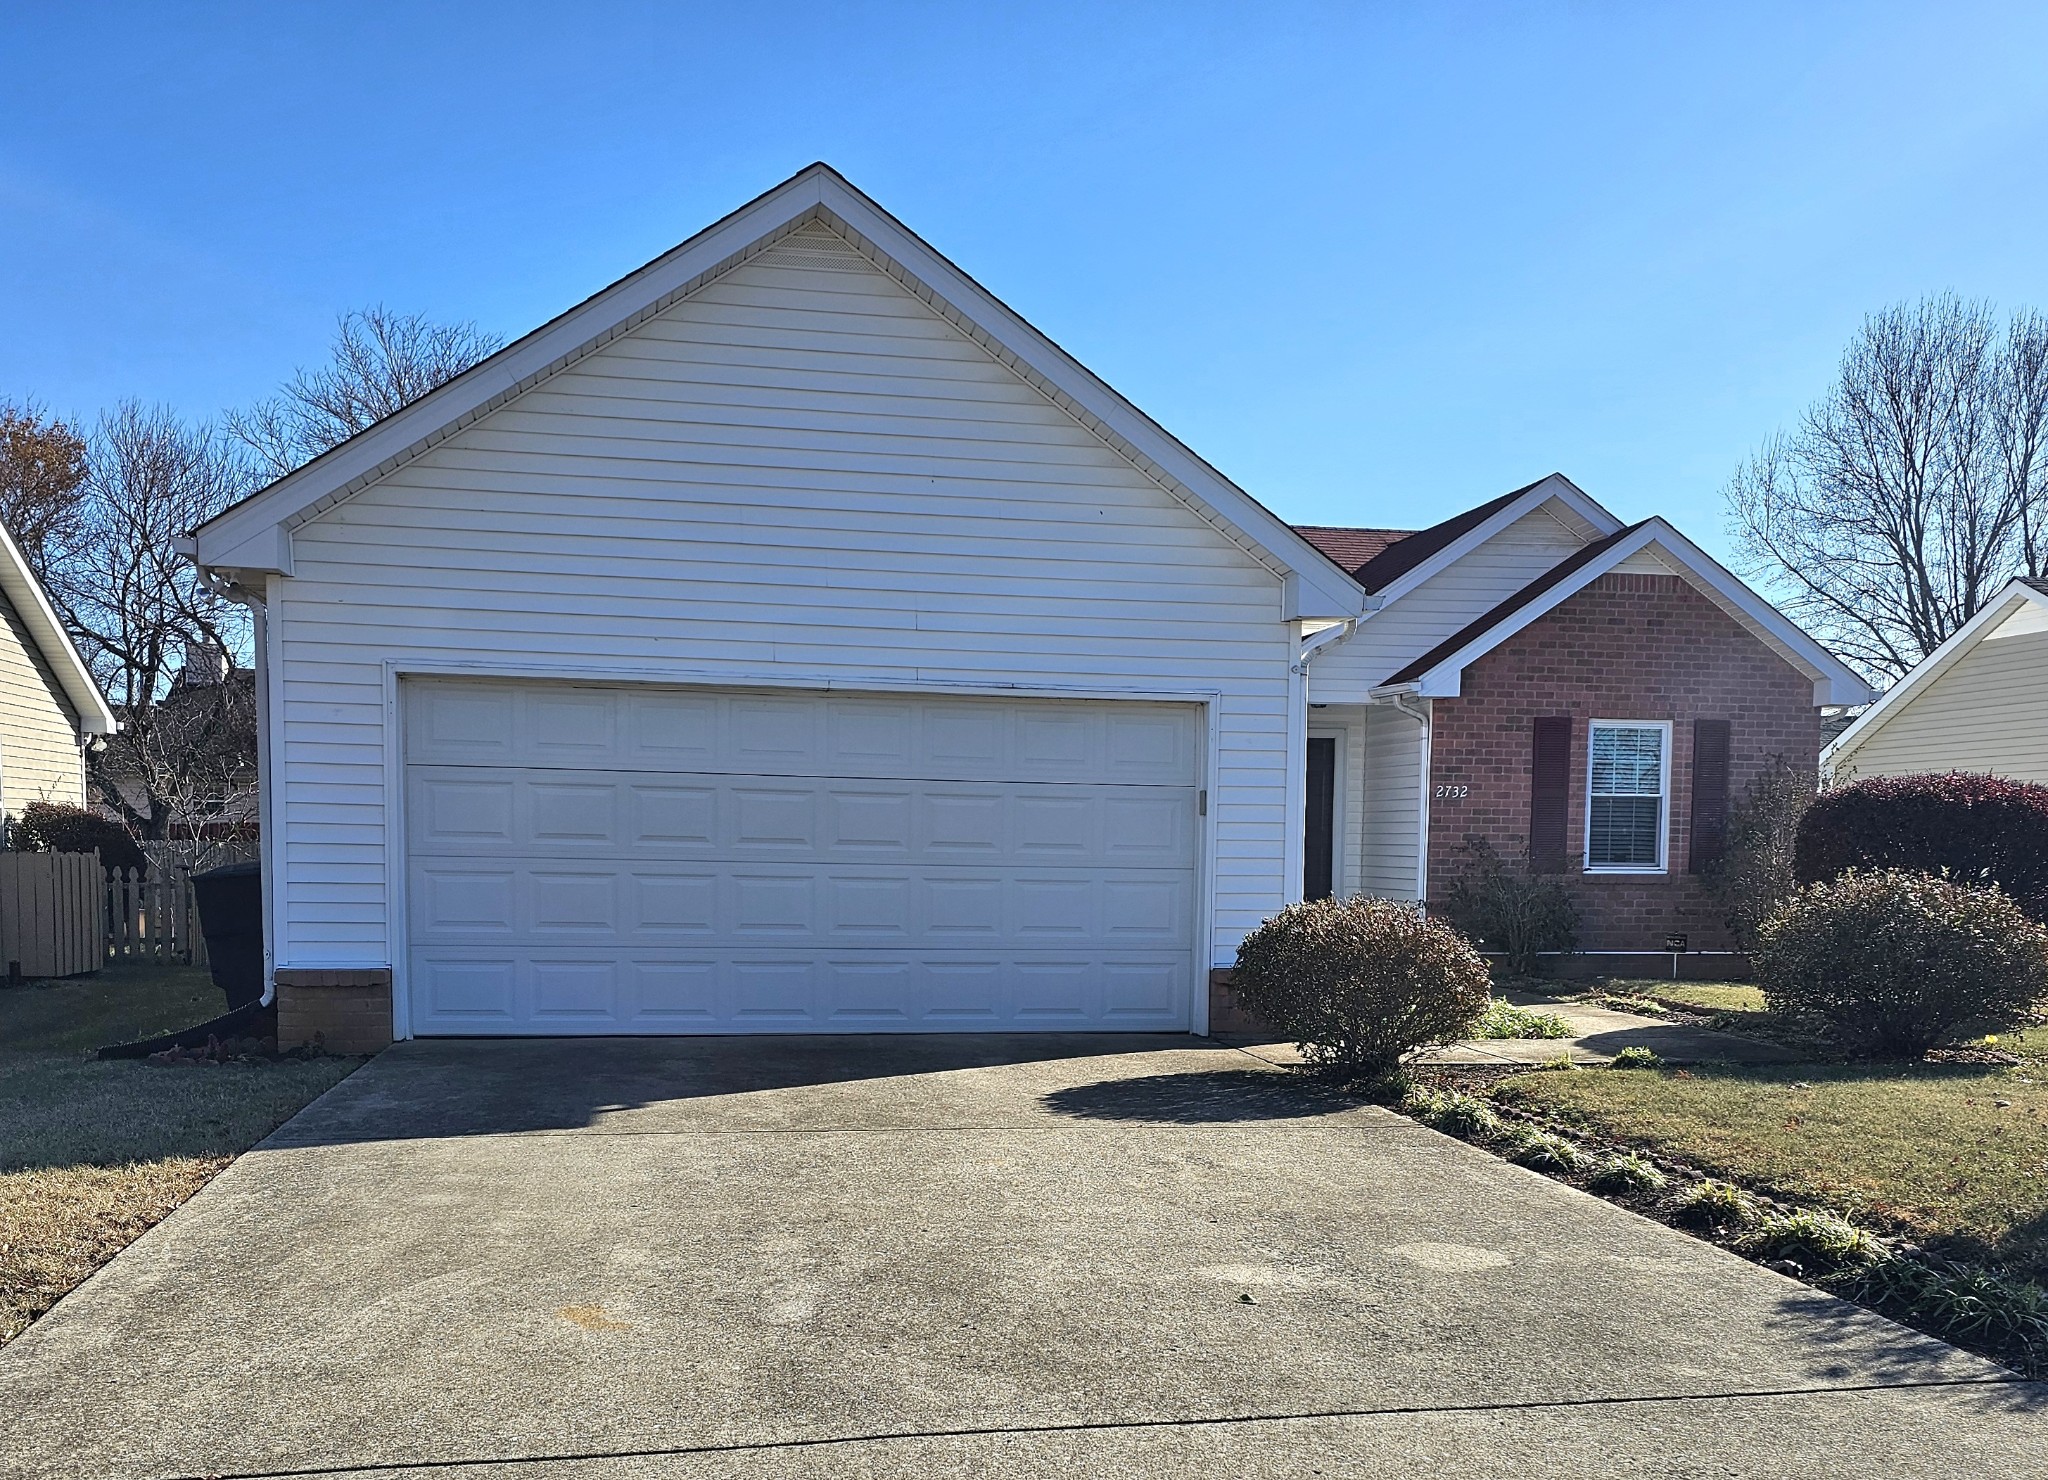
(626, 858)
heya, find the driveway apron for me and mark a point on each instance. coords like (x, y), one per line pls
(911, 1256)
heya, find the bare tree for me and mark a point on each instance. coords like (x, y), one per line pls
(140, 613)
(42, 473)
(381, 361)
(1906, 495)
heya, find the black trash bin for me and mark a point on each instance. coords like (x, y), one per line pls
(231, 916)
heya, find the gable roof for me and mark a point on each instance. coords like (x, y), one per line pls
(255, 534)
(1351, 547)
(1439, 671)
(2020, 591)
(39, 619)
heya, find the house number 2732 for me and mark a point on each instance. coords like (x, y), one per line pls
(1453, 793)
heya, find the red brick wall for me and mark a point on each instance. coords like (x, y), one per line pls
(1626, 647)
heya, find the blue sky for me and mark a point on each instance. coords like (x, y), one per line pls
(1376, 262)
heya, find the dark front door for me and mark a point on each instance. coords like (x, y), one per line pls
(1319, 827)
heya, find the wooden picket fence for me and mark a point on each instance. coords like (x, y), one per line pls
(153, 917)
(52, 915)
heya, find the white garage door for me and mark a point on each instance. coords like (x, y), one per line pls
(632, 859)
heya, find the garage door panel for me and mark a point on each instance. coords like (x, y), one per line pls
(623, 815)
(582, 727)
(591, 859)
(564, 991)
(854, 904)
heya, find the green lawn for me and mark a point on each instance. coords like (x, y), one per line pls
(1955, 1155)
(93, 1154)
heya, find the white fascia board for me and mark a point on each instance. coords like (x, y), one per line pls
(1314, 585)
(1556, 486)
(1894, 699)
(1834, 681)
(46, 630)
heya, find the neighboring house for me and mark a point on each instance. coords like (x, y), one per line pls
(49, 704)
(1977, 703)
(791, 638)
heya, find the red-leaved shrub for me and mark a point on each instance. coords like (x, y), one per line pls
(1974, 829)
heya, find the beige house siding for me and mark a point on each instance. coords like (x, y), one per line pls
(1987, 713)
(40, 759)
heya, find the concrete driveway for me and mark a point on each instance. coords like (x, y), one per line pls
(865, 1257)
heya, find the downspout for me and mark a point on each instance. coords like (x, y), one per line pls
(259, 625)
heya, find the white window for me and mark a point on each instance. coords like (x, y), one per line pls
(1628, 794)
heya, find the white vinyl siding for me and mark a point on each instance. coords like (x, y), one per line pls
(40, 758)
(1628, 796)
(1390, 811)
(1388, 639)
(1988, 713)
(799, 474)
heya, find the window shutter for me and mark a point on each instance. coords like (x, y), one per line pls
(1550, 780)
(1709, 793)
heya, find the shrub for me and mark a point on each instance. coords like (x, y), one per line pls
(1813, 1240)
(1711, 1204)
(1756, 874)
(1636, 1056)
(1895, 962)
(1505, 1020)
(1628, 1174)
(1359, 982)
(1513, 911)
(1544, 1151)
(52, 827)
(1975, 829)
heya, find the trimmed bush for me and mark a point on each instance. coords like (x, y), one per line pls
(1359, 982)
(52, 827)
(1974, 829)
(1896, 962)
(1516, 912)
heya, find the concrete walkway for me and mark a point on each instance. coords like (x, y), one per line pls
(976, 1256)
(1600, 1033)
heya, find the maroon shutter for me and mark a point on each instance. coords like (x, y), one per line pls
(1709, 793)
(1550, 784)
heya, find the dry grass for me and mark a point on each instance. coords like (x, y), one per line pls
(94, 1154)
(1953, 1154)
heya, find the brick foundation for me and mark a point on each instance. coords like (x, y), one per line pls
(1225, 1014)
(342, 1011)
(1628, 646)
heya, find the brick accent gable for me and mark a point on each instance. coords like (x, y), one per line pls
(1628, 646)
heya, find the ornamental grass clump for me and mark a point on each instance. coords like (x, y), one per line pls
(1455, 1113)
(1357, 983)
(1627, 1174)
(1894, 963)
(1543, 1151)
(1818, 1241)
(1711, 1204)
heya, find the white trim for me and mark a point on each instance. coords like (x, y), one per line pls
(255, 533)
(1834, 682)
(2015, 594)
(1663, 866)
(1202, 948)
(46, 629)
(1556, 486)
